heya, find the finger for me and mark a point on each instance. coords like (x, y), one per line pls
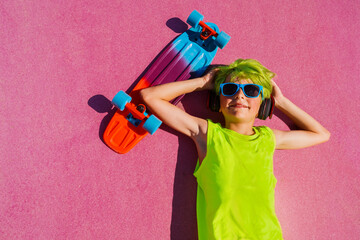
(273, 83)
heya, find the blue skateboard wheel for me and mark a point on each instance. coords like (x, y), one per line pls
(222, 39)
(152, 124)
(121, 99)
(194, 18)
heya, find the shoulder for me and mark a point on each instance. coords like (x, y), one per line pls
(206, 130)
(212, 124)
(265, 130)
(268, 133)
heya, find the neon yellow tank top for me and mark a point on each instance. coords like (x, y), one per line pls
(236, 186)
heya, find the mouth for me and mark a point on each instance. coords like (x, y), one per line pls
(239, 105)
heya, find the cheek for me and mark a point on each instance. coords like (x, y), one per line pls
(224, 101)
(255, 104)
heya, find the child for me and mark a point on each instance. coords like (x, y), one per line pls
(235, 196)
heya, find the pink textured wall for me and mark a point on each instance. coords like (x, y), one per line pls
(61, 62)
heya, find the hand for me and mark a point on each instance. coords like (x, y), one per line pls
(209, 79)
(276, 93)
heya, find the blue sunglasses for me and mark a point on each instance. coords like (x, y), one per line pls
(250, 90)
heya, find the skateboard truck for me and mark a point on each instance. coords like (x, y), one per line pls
(137, 114)
(206, 31)
(196, 21)
(141, 108)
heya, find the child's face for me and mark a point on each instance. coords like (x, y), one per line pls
(239, 108)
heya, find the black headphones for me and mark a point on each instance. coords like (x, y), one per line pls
(266, 109)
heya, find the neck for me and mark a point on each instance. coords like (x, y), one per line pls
(244, 128)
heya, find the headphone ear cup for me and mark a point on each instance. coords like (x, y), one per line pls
(261, 112)
(213, 101)
(272, 106)
(266, 108)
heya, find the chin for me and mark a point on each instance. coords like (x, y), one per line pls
(241, 114)
(239, 117)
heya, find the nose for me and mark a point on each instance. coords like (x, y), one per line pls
(240, 94)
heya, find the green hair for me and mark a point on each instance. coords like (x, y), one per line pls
(246, 69)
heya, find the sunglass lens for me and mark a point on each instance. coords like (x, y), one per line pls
(252, 90)
(229, 89)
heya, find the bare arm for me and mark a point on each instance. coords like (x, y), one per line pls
(312, 132)
(157, 99)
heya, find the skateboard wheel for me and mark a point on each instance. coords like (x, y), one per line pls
(222, 39)
(152, 124)
(194, 18)
(121, 99)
